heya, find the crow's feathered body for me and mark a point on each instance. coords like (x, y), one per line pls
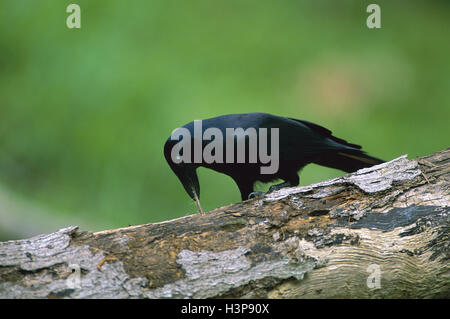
(300, 143)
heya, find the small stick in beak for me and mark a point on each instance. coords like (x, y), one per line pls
(197, 201)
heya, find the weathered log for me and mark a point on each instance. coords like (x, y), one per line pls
(381, 232)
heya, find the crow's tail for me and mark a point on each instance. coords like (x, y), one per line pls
(348, 160)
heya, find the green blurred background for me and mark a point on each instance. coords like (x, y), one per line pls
(84, 113)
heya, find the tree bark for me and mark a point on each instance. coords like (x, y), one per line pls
(381, 232)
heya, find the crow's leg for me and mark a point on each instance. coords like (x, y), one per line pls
(291, 179)
(245, 187)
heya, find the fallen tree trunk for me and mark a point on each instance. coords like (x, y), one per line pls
(381, 232)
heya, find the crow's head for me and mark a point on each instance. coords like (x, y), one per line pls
(186, 172)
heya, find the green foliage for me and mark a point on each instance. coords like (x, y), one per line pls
(84, 113)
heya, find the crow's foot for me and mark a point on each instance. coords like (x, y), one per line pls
(256, 194)
(277, 187)
(272, 188)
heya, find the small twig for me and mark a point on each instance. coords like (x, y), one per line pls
(425, 162)
(197, 201)
(99, 265)
(425, 176)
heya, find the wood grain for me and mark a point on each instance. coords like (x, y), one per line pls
(316, 241)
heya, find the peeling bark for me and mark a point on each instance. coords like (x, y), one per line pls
(381, 232)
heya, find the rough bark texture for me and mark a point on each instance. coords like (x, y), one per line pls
(381, 232)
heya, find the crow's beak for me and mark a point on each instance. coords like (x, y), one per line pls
(189, 179)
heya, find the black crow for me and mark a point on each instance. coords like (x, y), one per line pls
(255, 147)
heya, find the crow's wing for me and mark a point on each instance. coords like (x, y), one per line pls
(326, 133)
